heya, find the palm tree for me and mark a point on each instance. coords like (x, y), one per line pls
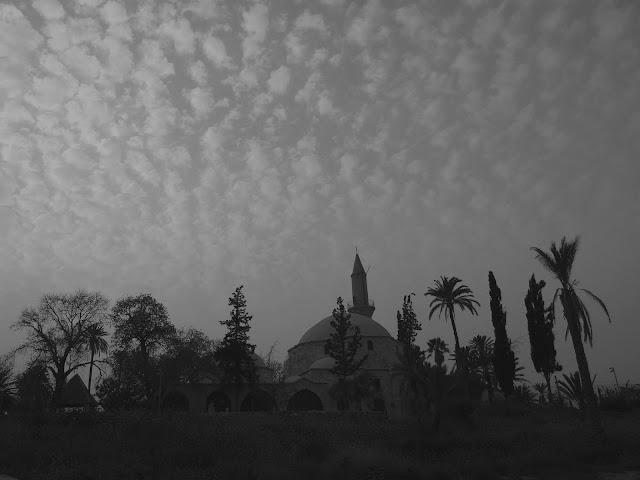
(482, 360)
(541, 388)
(411, 367)
(574, 390)
(559, 262)
(446, 296)
(524, 394)
(95, 342)
(436, 346)
(430, 383)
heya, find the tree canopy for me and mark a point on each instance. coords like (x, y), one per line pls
(343, 348)
(235, 354)
(504, 359)
(56, 331)
(540, 325)
(142, 330)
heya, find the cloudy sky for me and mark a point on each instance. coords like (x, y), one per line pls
(183, 148)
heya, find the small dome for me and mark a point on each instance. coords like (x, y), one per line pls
(292, 379)
(322, 330)
(325, 363)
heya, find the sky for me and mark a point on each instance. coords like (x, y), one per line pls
(184, 148)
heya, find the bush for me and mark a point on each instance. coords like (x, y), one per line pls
(613, 400)
(126, 444)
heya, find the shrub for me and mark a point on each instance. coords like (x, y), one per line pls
(613, 400)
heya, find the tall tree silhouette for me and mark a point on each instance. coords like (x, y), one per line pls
(482, 360)
(142, 330)
(235, 353)
(96, 344)
(343, 348)
(56, 332)
(540, 323)
(504, 359)
(408, 324)
(559, 262)
(446, 296)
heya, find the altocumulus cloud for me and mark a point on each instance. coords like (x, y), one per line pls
(190, 146)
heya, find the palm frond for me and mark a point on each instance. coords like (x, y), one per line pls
(585, 316)
(600, 302)
(547, 262)
(440, 306)
(569, 251)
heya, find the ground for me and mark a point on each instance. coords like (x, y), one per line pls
(141, 445)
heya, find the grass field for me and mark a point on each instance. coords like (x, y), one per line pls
(139, 445)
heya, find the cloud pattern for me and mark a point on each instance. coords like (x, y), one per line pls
(183, 147)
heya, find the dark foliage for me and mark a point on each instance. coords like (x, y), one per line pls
(34, 388)
(8, 394)
(189, 358)
(504, 360)
(540, 324)
(142, 332)
(343, 348)
(408, 324)
(56, 332)
(234, 354)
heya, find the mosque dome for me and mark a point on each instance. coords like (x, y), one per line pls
(324, 363)
(322, 330)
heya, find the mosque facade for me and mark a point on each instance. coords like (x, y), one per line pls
(307, 376)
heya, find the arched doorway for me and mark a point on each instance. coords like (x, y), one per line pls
(177, 401)
(218, 402)
(304, 401)
(258, 401)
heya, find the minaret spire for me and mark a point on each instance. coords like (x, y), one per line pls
(361, 303)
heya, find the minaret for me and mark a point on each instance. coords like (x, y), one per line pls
(361, 303)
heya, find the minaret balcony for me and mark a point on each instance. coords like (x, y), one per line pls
(362, 303)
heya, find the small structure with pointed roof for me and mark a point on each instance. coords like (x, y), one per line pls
(76, 394)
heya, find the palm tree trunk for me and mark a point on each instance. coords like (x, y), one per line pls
(455, 331)
(547, 377)
(90, 370)
(463, 366)
(593, 412)
(487, 378)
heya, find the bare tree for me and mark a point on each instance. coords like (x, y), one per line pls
(56, 332)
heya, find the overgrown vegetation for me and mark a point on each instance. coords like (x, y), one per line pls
(139, 445)
(465, 435)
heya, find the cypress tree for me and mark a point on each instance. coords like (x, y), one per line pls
(343, 348)
(234, 355)
(504, 360)
(408, 324)
(540, 324)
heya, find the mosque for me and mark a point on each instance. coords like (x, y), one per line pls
(307, 377)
